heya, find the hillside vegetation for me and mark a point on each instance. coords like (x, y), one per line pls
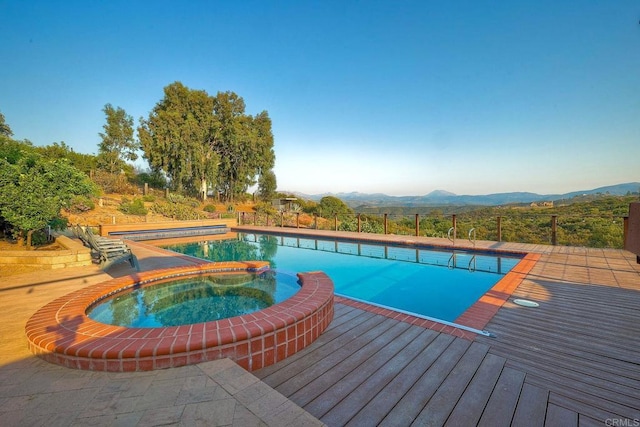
(590, 221)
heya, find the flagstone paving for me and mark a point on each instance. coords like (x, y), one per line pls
(34, 392)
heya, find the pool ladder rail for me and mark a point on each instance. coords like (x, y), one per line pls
(472, 239)
(453, 240)
(452, 263)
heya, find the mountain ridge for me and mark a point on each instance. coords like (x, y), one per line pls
(442, 197)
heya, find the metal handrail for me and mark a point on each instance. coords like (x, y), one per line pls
(472, 264)
(473, 230)
(454, 235)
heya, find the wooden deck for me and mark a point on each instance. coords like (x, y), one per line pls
(575, 360)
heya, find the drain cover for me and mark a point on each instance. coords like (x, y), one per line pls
(526, 303)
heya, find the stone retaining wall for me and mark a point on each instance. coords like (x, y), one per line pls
(74, 254)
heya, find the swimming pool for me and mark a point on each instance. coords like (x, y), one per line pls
(430, 282)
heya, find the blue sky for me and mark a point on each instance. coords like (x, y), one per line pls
(397, 97)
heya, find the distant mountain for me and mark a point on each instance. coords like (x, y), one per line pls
(445, 198)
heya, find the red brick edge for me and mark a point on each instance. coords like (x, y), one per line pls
(477, 316)
(61, 333)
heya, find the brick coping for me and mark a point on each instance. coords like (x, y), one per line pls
(477, 316)
(61, 333)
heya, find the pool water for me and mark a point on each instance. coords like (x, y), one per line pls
(194, 300)
(435, 283)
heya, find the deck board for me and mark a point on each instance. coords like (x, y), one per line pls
(333, 354)
(501, 407)
(559, 416)
(357, 369)
(376, 380)
(377, 408)
(437, 410)
(469, 408)
(530, 409)
(410, 404)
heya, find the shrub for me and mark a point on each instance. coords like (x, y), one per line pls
(134, 207)
(209, 208)
(175, 210)
(189, 201)
(59, 223)
(114, 183)
(154, 179)
(39, 238)
(265, 208)
(366, 226)
(81, 204)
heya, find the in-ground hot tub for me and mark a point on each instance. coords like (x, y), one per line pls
(61, 333)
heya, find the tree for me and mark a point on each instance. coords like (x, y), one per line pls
(204, 142)
(267, 185)
(59, 150)
(330, 206)
(118, 144)
(33, 190)
(177, 138)
(4, 127)
(244, 143)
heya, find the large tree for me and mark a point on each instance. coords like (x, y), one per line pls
(245, 145)
(118, 144)
(206, 142)
(177, 138)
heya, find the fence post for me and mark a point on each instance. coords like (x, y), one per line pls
(359, 227)
(297, 219)
(385, 224)
(315, 221)
(267, 220)
(625, 231)
(417, 224)
(335, 221)
(281, 219)
(455, 227)
(146, 189)
(243, 222)
(554, 230)
(499, 229)
(255, 218)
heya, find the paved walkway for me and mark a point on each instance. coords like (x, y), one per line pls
(36, 393)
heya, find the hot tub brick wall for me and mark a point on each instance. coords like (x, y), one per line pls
(253, 341)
